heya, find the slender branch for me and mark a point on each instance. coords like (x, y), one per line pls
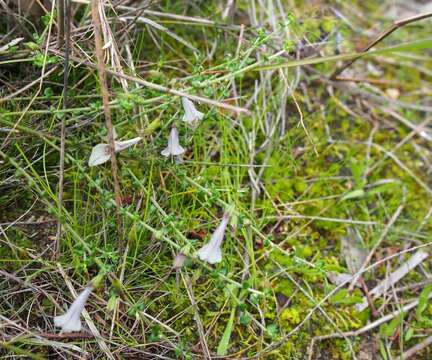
(381, 36)
(415, 349)
(66, 28)
(61, 8)
(158, 87)
(368, 296)
(53, 336)
(95, 5)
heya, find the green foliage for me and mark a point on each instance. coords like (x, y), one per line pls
(342, 297)
(388, 329)
(294, 193)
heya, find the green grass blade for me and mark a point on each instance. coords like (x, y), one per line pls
(224, 342)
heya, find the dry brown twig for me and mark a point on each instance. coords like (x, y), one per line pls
(381, 36)
(96, 16)
(36, 338)
(29, 85)
(61, 8)
(66, 8)
(415, 349)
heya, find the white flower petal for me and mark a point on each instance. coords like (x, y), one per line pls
(99, 155)
(192, 117)
(73, 324)
(177, 150)
(179, 260)
(78, 304)
(165, 152)
(211, 252)
(121, 145)
(70, 321)
(173, 148)
(191, 114)
(61, 320)
(219, 233)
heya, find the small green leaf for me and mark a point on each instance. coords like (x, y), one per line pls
(155, 334)
(112, 303)
(245, 319)
(224, 342)
(357, 169)
(409, 334)
(342, 297)
(388, 330)
(273, 330)
(354, 194)
(382, 188)
(383, 351)
(48, 92)
(423, 301)
(32, 46)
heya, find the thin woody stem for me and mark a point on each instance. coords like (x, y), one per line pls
(61, 8)
(381, 36)
(95, 5)
(66, 28)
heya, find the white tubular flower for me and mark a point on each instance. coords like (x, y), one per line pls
(211, 252)
(70, 321)
(121, 145)
(100, 153)
(174, 148)
(191, 114)
(179, 261)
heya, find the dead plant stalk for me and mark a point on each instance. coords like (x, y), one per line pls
(381, 36)
(66, 28)
(95, 10)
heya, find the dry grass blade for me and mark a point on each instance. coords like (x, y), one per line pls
(369, 326)
(28, 86)
(34, 338)
(411, 352)
(376, 245)
(201, 332)
(394, 277)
